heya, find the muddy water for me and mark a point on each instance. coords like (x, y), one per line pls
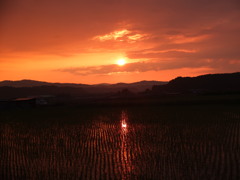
(137, 143)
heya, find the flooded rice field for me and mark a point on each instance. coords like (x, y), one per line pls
(200, 142)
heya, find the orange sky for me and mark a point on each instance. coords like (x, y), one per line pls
(80, 41)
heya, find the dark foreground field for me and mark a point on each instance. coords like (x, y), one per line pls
(156, 142)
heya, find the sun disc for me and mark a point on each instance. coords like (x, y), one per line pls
(121, 62)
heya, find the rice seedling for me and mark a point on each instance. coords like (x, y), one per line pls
(173, 142)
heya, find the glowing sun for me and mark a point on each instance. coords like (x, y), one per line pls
(121, 62)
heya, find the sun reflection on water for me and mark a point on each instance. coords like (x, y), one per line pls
(124, 125)
(125, 153)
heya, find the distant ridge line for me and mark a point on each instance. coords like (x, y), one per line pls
(32, 83)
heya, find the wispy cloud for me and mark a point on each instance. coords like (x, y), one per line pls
(157, 65)
(121, 35)
(159, 34)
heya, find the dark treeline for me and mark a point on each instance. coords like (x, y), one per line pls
(210, 83)
(205, 84)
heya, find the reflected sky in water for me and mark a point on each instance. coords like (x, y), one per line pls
(120, 144)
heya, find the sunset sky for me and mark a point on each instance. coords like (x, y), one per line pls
(81, 41)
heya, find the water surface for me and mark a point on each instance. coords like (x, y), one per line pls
(121, 143)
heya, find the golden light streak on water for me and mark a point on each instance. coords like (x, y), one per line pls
(125, 154)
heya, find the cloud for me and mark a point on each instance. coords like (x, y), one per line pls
(59, 24)
(145, 66)
(122, 35)
(113, 35)
(160, 34)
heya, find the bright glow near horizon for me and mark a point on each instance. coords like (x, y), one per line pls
(121, 62)
(94, 42)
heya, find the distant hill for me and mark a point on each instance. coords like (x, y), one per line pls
(210, 83)
(7, 92)
(26, 88)
(32, 83)
(134, 87)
